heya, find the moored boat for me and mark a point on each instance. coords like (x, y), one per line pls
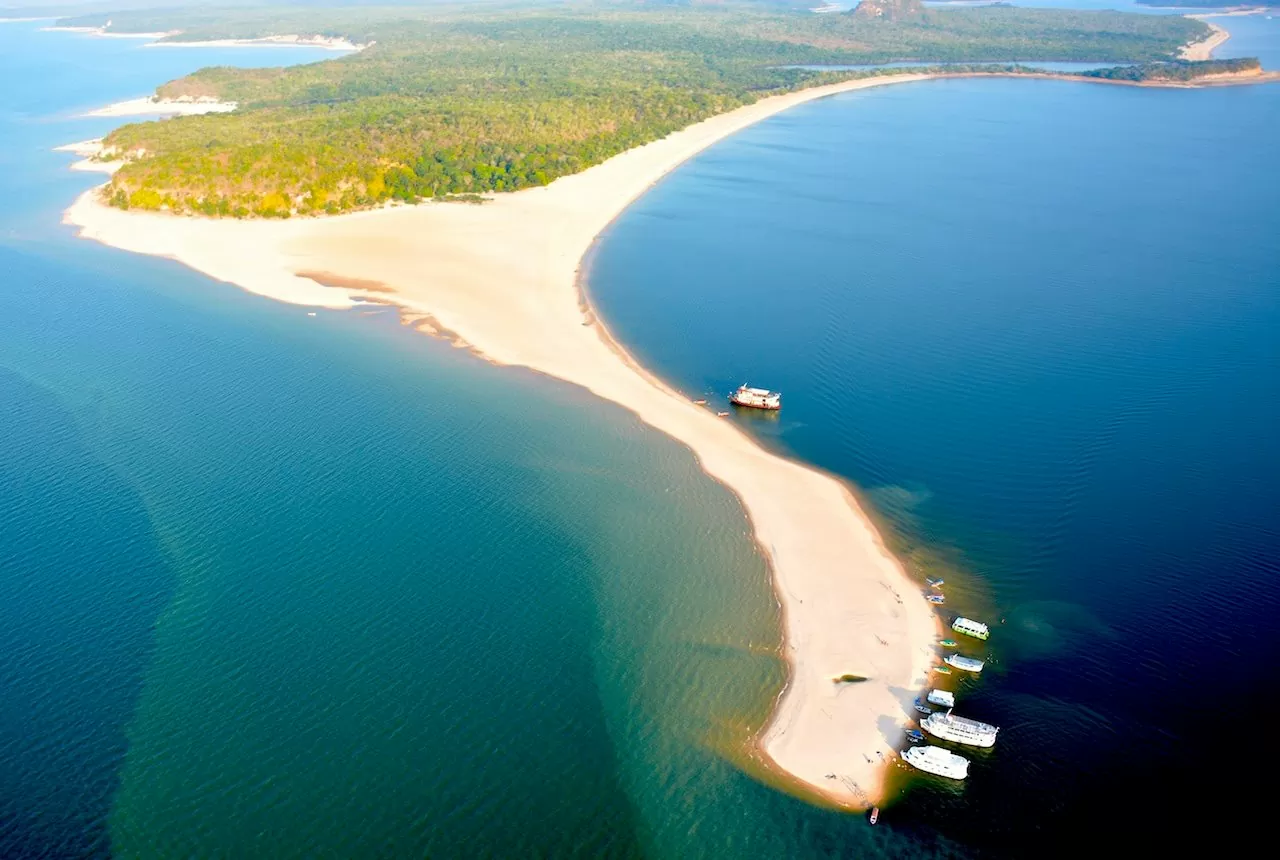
(942, 670)
(945, 698)
(967, 664)
(969, 627)
(949, 727)
(938, 761)
(915, 736)
(949, 643)
(875, 815)
(920, 706)
(935, 598)
(934, 583)
(756, 398)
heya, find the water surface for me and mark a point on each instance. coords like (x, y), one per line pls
(1035, 321)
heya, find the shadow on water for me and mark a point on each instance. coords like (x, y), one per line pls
(82, 581)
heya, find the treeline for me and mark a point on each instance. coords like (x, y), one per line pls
(450, 102)
(1181, 70)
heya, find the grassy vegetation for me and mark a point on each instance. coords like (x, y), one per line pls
(459, 101)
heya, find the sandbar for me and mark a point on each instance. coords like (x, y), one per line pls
(153, 106)
(1203, 50)
(502, 278)
(290, 41)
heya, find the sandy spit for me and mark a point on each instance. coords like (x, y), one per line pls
(1203, 50)
(330, 44)
(503, 278)
(153, 106)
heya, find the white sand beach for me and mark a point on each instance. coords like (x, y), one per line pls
(1203, 50)
(153, 106)
(503, 278)
(290, 41)
(90, 152)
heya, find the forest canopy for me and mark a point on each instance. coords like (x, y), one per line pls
(447, 101)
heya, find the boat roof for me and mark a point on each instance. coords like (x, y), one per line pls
(969, 622)
(763, 392)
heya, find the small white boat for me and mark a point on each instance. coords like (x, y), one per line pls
(968, 627)
(938, 761)
(756, 398)
(968, 664)
(875, 815)
(944, 698)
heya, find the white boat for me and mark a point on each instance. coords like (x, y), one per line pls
(938, 761)
(949, 727)
(968, 664)
(942, 697)
(756, 398)
(968, 627)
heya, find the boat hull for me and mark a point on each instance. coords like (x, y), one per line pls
(951, 767)
(941, 731)
(761, 406)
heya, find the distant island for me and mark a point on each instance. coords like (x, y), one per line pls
(1204, 4)
(453, 102)
(1177, 71)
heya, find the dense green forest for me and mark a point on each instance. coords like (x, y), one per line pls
(450, 100)
(1176, 71)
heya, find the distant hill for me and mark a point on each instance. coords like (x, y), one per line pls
(888, 10)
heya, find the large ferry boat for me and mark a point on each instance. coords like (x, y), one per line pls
(968, 664)
(756, 398)
(960, 730)
(968, 627)
(936, 760)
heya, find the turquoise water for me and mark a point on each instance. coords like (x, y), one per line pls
(280, 585)
(275, 585)
(1036, 322)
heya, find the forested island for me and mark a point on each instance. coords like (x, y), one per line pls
(455, 101)
(1176, 71)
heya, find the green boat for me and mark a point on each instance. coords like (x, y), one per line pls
(948, 643)
(942, 670)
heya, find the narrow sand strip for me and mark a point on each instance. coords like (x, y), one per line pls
(1203, 50)
(503, 277)
(153, 106)
(327, 43)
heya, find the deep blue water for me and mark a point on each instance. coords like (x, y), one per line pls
(1036, 322)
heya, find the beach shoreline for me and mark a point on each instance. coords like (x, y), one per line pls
(290, 41)
(158, 107)
(848, 606)
(1203, 50)
(507, 280)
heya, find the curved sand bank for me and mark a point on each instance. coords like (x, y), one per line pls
(155, 106)
(503, 277)
(1203, 50)
(290, 41)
